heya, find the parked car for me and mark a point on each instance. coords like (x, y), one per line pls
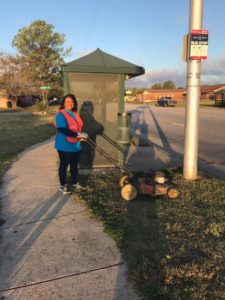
(54, 101)
(166, 101)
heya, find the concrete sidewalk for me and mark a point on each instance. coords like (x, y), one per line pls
(50, 248)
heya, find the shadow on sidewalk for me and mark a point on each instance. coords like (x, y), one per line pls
(17, 247)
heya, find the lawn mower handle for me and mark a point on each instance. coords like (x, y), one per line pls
(107, 156)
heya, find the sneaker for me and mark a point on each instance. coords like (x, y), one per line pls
(65, 189)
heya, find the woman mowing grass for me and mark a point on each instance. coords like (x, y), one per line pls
(67, 142)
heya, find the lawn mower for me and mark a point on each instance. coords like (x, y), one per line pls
(152, 183)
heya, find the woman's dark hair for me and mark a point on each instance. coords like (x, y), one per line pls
(62, 103)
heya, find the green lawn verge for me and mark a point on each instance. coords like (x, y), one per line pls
(174, 249)
(7, 110)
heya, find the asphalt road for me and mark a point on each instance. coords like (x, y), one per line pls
(164, 128)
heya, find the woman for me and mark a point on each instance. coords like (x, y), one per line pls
(67, 142)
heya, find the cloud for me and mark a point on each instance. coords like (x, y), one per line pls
(212, 72)
(159, 76)
(176, 75)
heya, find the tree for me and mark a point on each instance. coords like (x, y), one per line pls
(169, 85)
(14, 79)
(42, 52)
(136, 91)
(156, 86)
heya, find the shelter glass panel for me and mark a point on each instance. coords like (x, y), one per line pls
(97, 96)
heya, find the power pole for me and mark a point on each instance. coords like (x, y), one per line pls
(190, 169)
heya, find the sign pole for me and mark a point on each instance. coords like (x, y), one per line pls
(192, 100)
(45, 90)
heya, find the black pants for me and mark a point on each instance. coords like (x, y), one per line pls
(66, 159)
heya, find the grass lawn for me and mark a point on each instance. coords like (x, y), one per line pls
(18, 109)
(174, 249)
(203, 103)
(17, 132)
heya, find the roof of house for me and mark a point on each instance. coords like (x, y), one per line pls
(212, 88)
(102, 62)
(162, 91)
(220, 91)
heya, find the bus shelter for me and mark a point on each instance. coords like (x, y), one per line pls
(97, 80)
(220, 98)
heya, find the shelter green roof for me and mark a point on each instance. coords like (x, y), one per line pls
(101, 62)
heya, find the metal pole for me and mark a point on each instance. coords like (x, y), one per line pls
(121, 93)
(121, 108)
(192, 101)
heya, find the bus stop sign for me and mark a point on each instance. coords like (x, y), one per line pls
(198, 45)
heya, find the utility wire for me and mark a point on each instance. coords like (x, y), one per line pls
(92, 24)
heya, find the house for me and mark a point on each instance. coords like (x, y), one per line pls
(219, 96)
(208, 91)
(155, 94)
(5, 102)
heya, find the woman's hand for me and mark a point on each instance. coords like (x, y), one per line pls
(82, 136)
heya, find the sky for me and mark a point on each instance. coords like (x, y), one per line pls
(148, 33)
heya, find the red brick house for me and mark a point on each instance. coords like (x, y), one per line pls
(178, 94)
(209, 90)
(155, 94)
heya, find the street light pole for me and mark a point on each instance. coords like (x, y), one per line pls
(192, 100)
